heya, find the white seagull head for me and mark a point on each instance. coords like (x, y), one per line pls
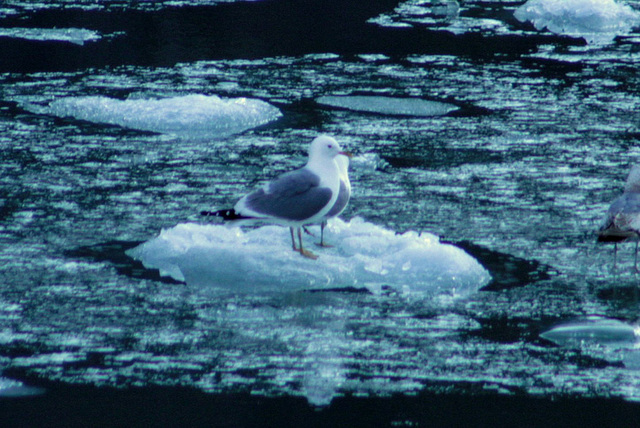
(324, 147)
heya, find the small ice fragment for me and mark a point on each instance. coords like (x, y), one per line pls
(388, 105)
(368, 162)
(14, 388)
(78, 36)
(598, 331)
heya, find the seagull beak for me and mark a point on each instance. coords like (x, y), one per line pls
(347, 154)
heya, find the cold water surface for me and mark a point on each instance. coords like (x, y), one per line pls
(518, 175)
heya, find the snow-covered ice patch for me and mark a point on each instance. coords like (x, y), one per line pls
(597, 21)
(387, 105)
(364, 255)
(600, 331)
(78, 36)
(189, 116)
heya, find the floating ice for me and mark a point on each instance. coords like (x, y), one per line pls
(261, 259)
(439, 15)
(78, 36)
(597, 330)
(26, 8)
(597, 21)
(193, 116)
(388, 105)
(368, 162)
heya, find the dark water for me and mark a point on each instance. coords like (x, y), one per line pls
(175, 407)
(519, 177)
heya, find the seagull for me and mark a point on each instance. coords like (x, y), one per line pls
(296, 198)
(622, 221)
(343, 194)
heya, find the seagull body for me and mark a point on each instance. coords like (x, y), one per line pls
(344, 194)
(296, 198)
(622, 221)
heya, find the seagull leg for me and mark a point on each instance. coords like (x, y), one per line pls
(293, 239)
(322, 244)
(306, 253)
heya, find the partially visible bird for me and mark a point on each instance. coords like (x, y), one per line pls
(344, 194)
(622, 221)
(296, 198)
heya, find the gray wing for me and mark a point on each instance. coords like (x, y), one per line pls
(341, 202)
(294, 196)
(623, 214)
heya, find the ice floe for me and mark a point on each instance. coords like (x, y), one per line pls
(592, 330)
(188, 116)
(364, 255)
(597, 21)
(78, 36)
(602, 338)
(388, 105)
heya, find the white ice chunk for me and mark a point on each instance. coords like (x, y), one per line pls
(368, 162)
(596, 330)
(78, 36)
(388, 105)
(189, 116)
(364, 255)
(597, 21)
